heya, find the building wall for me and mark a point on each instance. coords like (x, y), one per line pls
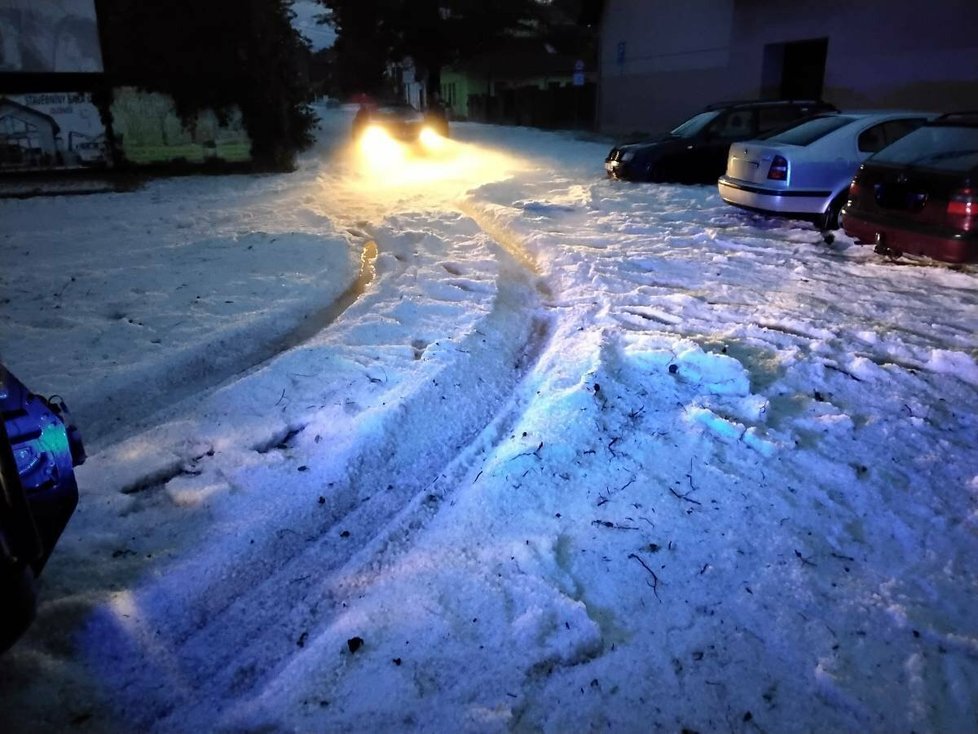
(679, 57)
(458, 85)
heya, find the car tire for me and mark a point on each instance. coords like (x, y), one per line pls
(831, 219)
(651, 172)
(20, 604)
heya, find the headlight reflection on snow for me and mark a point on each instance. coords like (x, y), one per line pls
(431, 140)
(441, 165)
(144, 639)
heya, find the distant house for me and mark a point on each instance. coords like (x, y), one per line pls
(410, 82)
(661, 61)
(28, 137)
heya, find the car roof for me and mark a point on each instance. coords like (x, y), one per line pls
(852, 122)
(961, 119)
(883, 112)
(767, 103)
(861, 115)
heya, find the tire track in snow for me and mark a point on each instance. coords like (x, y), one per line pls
(268, 608)
(129, 410)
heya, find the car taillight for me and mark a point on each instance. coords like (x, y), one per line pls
(962, 208)
(853, 190)
(779, 169)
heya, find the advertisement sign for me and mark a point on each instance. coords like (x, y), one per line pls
(50, 131)
(48, 36)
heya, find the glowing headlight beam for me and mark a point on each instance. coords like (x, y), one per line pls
(379, 148)
(431, 140)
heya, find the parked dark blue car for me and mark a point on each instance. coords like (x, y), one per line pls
(696, 151)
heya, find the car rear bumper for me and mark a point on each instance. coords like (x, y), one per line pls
(957, 248)
(777, 201)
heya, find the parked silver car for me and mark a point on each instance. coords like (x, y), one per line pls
(804, 171)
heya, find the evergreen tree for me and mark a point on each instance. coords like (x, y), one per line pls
(216, 54)
(434, 33)
(364, 42)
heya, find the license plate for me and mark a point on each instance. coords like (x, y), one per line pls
(900, 196)
(742, 169)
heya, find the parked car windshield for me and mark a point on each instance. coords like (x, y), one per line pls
(808, 132)
(944, 148)
(695, 124)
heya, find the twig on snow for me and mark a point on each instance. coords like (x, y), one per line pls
(804, 561)
(692, 487)
(844, 372)
(685, 497)
(602, 500)
(535, 452)
(612, 525)
(655, 579)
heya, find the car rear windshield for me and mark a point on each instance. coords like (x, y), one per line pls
(811, 130)
(942, 147)
(694, 124)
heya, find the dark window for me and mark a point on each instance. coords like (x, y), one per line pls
(879, 136)
(896, 129)
(944, 148)
(811, 130)
(733, 125)
(769, 118)
(803, 69)
(794, 69)
(872, 139)
(694, 124)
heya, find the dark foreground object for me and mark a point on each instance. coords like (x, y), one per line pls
(39, 448)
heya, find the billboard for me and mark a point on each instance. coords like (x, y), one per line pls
(49, 36)
(51, 131)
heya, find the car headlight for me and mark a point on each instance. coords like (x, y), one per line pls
(627, 156)
(431, 139)
(378, 147)
(375, 134)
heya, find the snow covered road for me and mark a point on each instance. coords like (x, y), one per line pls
(581, 456)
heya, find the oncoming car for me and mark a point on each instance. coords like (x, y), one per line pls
(804, 171)
(379, 125)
